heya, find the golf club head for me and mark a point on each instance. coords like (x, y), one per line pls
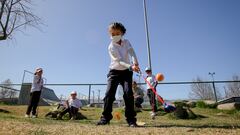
(169, 108)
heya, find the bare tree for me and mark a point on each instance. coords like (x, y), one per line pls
(16, 15)
(203, 91)
(12, 93)
(233, 89)
(6, 90)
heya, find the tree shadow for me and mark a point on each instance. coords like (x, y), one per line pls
(4, 111)
(149, 109)
(192, 126)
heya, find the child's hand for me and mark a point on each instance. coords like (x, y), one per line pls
(135, 68)
(136, 64)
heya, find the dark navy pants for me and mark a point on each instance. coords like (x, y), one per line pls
(72, 112)
(124, 78)
(152, 99)
(33, 103)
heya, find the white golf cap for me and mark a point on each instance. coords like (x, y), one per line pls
(73, 93)
(147, 69)
(38, 70)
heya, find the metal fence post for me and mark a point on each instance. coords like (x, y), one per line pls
(214, 90)
(23, 76)
(213, 83)
(93, 96)
(89, 94)
(98, 96)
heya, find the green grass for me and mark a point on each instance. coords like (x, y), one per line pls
(215, 121)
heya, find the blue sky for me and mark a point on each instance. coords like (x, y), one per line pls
(188, 38)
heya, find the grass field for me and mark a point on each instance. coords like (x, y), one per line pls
(216, 122)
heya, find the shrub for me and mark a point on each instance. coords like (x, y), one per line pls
(212, 106)
(202, 104)
(180, 113)
(191, 114)
(180, 104)
(191, 104)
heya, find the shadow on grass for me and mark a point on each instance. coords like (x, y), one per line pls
(149, 109)
(193, 116)
(4, 111)
(192, 126)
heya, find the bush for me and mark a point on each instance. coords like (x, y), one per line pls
(2, 103)
(202, 104)
(183, 111)
(213, 106)
(180, 113)
(7, 103)
(180, 104)
(191, 104)
(191, 114)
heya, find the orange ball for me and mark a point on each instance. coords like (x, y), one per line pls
(159, 77)
(117, 115)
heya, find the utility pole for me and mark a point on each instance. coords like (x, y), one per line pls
(147, 34)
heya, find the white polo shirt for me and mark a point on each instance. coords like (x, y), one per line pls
(151, 79)
(74, 102)
(119, 55)
(37, 83)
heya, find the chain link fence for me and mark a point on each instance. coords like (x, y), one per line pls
(170, 91)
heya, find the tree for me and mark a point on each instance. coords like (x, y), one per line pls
(12, 93)
(6, 90)
(203, 91)
(233, 89)
(16, 15)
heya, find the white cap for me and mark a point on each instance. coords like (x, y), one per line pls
(38, 70)
(73, 93)
(147, 69)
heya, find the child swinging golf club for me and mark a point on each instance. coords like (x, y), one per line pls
(151, 95)
(35, 93)
(120, 73)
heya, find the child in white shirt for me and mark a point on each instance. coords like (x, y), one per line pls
(121, 72)
(151, 95)
(35, 93)
(73, 105)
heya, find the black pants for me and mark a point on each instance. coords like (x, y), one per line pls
(138, 102)
(33, 103)
(152, 99)
(72, 112)
(124, 78)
